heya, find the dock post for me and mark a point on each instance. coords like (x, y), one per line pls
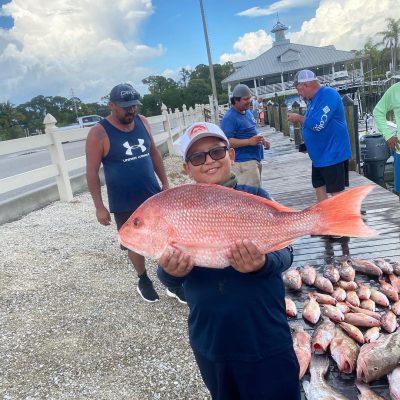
(275, 113)
(284, 120)
(351, 112)
(270, 114)
(298, 137)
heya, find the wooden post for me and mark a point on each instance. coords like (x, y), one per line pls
(269, 114)
(298, 137)
(58, 158)
(275, 113)
(352, 127)
(284, 120)
(167, 128)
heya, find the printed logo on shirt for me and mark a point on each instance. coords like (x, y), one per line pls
(323, 120)
(129, 148)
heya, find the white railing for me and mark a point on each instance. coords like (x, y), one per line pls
(174, 123)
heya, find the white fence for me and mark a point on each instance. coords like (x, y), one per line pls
(174, 123)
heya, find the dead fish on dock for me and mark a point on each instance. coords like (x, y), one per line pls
(365, 267)
(302, 347)
(384, 266)
(318, 388)
(291, 309)
(292, 279)
(389, 321)
(394, 384)
(331, 273)
(372, 334)
(203, 222)
(388, 290)
(366, 393)
(379, 298)
(353, 332)
(308, 275)
(346, 271)
(311, 311)
(323, 284)
(323, 336)
(362, 320)
(344, 350)
(379, 358)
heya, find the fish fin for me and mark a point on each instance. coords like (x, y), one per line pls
(281, 245)
(273, 204)
(340, 214)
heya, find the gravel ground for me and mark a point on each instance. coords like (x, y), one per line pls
(72, 325)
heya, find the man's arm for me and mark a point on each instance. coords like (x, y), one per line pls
(385, 104)
(156, 157)
(94, 154)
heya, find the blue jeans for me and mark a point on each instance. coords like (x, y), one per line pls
(396, 167)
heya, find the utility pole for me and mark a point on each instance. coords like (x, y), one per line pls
(210, 64)
(74, 101)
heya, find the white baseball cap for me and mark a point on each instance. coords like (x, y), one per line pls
(200, 130)
(305, 75)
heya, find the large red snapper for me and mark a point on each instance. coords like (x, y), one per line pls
(205, 220)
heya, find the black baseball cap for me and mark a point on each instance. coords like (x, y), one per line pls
(124, 95)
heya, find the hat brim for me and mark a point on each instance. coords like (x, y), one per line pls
(125, 104)
(201, 136)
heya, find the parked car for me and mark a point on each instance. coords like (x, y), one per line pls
(88, 120)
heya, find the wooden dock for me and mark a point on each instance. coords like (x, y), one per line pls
(287, 177)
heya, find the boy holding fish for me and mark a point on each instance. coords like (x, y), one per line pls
(237, 323)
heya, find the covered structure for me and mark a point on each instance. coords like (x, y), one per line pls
(272, 72)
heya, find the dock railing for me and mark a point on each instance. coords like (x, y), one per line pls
(174, 123)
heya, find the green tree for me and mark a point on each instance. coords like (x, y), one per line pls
(185, 76)
(391, 39)
(159, 84)
(11, 122)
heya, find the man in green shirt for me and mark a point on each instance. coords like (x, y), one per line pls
(390, 101)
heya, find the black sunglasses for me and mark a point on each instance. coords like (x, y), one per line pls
(217, 153)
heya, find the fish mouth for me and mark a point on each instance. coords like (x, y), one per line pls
(318, 349)
(347, 369)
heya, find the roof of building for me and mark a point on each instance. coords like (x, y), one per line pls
(288, 57)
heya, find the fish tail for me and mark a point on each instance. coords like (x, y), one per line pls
(340, 214)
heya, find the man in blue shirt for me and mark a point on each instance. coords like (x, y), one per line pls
(240, 127)
(325, 134)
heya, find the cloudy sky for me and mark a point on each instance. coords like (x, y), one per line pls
(49, 47)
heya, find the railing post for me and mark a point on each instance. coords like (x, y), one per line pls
(178, 120)
(352, 127)
(184, 116)
(284, 119)
(58, 158)
(298, 137)
(269, 114)
(167, 128)
(275, 112)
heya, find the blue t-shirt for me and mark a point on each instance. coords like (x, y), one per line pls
(325, 130)
(128, 167)
(233, 315)
(242, 126)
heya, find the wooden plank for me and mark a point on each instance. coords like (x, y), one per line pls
(287, 177)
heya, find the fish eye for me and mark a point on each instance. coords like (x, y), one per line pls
(136, 221)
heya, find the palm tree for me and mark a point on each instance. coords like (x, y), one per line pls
(391, 38)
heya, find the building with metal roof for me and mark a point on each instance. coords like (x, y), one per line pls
(272, 72)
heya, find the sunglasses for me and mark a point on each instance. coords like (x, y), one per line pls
(217, 153)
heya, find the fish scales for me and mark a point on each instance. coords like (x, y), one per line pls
(205, 220)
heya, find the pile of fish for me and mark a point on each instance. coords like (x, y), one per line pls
(353, 322)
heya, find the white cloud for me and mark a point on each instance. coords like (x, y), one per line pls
(248, 46)
(79, 44)
(346, 24)
(281, 5)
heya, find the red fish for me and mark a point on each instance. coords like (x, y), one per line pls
(204, 221)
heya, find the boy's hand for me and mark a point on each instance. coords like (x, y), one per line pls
(244, 256)
(176, 263)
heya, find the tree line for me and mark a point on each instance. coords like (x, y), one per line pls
(192, 87)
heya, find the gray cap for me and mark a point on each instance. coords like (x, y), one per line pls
(241, 90)
(124, 95)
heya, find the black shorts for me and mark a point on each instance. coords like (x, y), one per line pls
(120, 218)
(334, 177)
